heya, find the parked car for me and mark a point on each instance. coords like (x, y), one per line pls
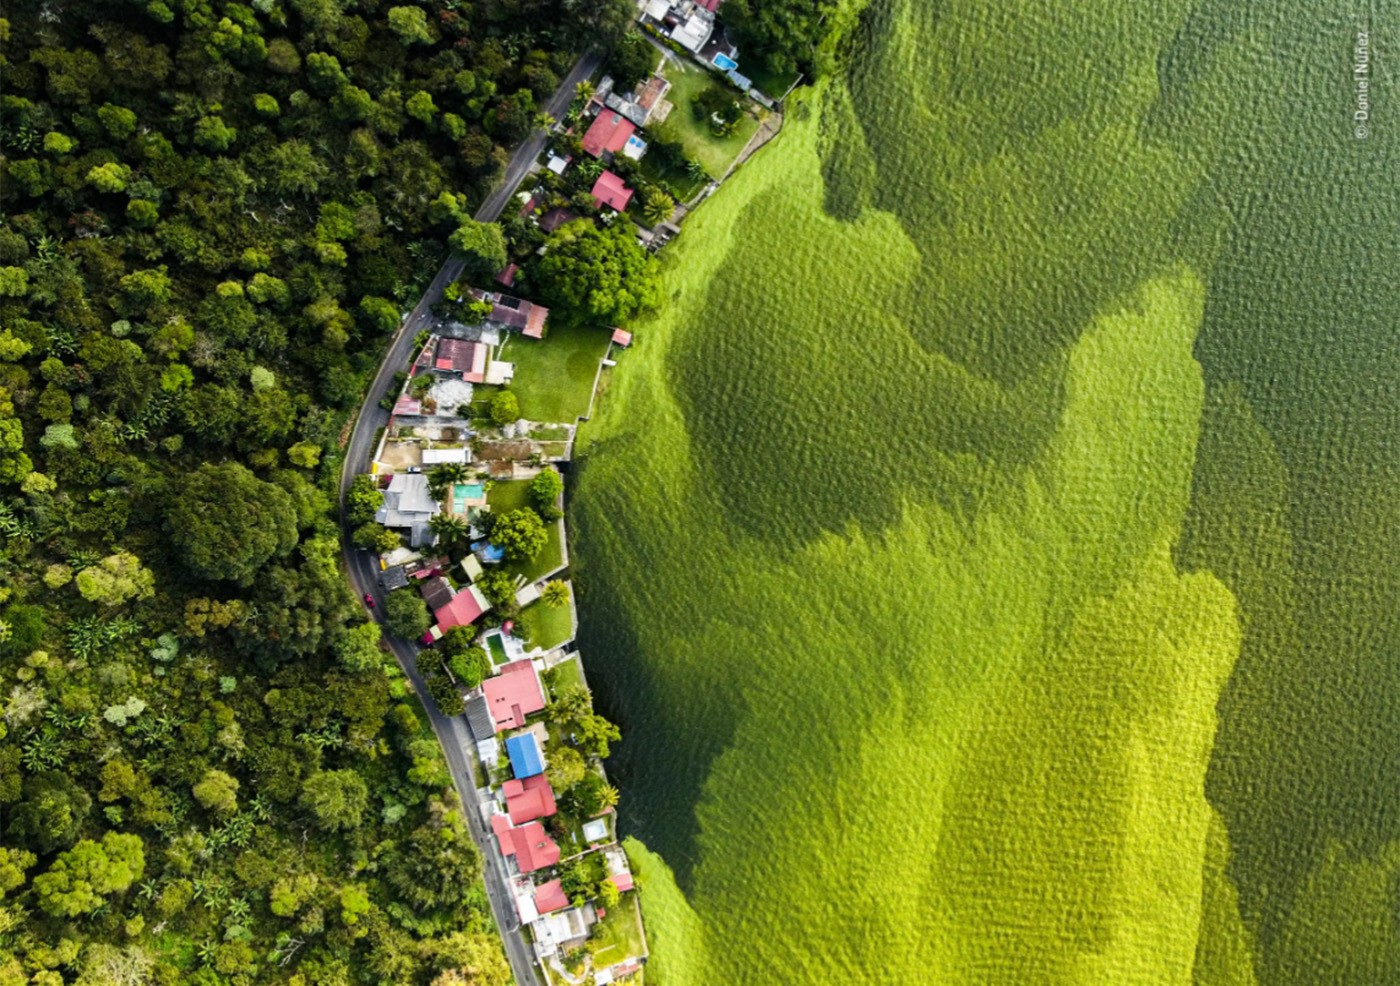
(415, 468)
(369, 600)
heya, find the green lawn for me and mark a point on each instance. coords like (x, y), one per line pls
(715, 153)
(619, 935)
(553, 625)
(553, 375)
(497, 650)
(568, 674)
(512, 494)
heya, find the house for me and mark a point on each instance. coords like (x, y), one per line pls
(619, 873)
(553, 931)
(611, 191)
(462, 609)
(557, 164)
(483, 730)
(620, 337)
(555, 218)
(513, 694)
(529, 800)
(549, 897)
(529, 845)
(471, 568)
(437, 592)
(608, 133)
(437, 456)
(393, 578)
(634, 148)
(460, 356)
(507, 275)
(526, 755)
(514, 313)
(652, 99)
(407, 504)
(626, 106)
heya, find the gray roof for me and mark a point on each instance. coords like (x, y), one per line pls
(479, 719)
(412, 489)
(394, 578)
(437, 592)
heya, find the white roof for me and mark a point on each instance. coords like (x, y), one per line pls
(527, 595)
(499, 372)
(433, 456)
(634, 148)
(693, 33)
(412, 489)
(657, 9)
(559, 927)
(557, 164)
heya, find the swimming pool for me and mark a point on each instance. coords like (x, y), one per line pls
(463, 492)
(724, 63)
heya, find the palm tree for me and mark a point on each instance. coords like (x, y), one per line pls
(657, 206)
(445, 476)
(585, 90)
(555, 594)
(451, 529)
(607, 797)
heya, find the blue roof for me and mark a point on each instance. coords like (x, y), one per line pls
(488, 553)
(526, 758)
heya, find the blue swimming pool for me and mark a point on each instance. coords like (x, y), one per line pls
(724, 63)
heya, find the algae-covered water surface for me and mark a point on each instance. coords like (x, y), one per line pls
(992, 551)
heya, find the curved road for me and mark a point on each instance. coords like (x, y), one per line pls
(363, 570)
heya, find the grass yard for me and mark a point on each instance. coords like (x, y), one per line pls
(554, 375)
(619, 935)
(567, 674)
(715, 153)
(497, 650)
(553, 625)
(512, 494)
(771, 84)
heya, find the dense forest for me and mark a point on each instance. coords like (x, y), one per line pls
(215, 213)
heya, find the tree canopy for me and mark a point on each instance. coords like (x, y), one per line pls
(600, 272)
(228, 523)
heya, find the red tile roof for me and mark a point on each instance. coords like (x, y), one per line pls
(462, 610)
(609, 132)
(513, 694)
(622, 337)
(466, 358)
(611, 191)
(549, 897)
(507, 275)
(555, 218)
(529, 799)
(622, 881)
(532, 848)
(710, 5)
(534, 325)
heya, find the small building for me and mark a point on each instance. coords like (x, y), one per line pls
(463, 609)
(506, 275)
(527, 594)
(438, 456)
(608, 133)
(695, 31)
(513, 694)
(652, 99)
(555, 218)
(553, 931)
(621, 337)
(483, 730)
(407, 504)
(437, 592)
(526, 755)
(529, 845)
(461, 356)
(611, 191)
(393, 578)
(529, 800)
(549, 897)
(471, 568)
(634, 148)
(557, 164)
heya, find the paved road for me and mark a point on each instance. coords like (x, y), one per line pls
(363, 570)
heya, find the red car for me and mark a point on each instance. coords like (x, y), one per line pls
(369, 600)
